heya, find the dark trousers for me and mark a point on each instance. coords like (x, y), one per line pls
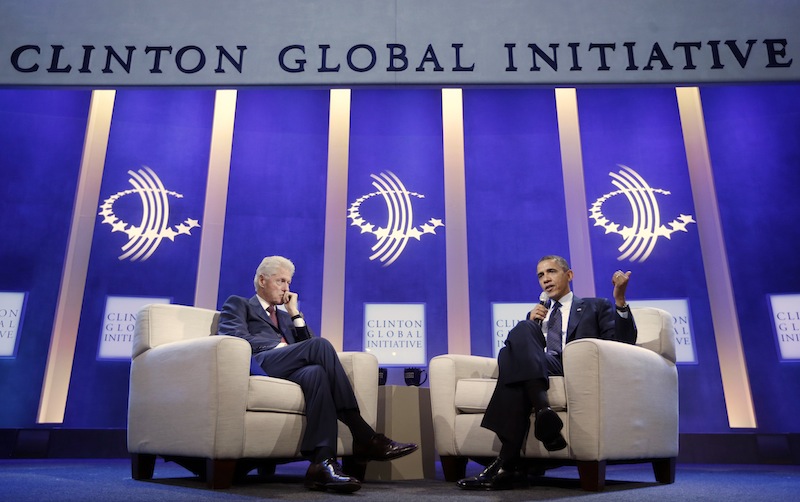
(523, 359)
(315, 366)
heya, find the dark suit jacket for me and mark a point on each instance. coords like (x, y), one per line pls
(598, 318)
(247, 319)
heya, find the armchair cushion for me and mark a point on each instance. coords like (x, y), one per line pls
(472, 395)
(274, 394)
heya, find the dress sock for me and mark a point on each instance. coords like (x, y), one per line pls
(323, 453)
(360, 429)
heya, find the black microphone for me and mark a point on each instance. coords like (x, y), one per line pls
(543, 298)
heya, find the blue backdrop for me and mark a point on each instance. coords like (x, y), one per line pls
(41, 133)
(397, 131)
(515, 213)
(169, 132)
(753, 142)
(641, 129)
(515, 199)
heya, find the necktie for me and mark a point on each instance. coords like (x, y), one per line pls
(273, 315)
(554, 330)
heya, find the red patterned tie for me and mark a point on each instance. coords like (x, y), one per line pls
(273, 315)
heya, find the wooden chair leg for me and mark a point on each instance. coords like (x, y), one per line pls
(454, 468)
(664, 469)
(593, 475)
(219, 473)
(142, 466)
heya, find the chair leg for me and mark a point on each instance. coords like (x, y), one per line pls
(454, 468)
(355, 468)
(266, 469)
(219, 473)
(142, 465)
(664, 469)
(593, 475)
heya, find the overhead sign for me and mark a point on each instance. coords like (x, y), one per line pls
(396, 42)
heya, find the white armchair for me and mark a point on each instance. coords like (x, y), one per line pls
(192, 400)
(618, 402)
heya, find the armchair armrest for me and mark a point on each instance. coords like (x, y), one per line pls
(186, 390)
(622, 401)
(445, 371)
(362, 370)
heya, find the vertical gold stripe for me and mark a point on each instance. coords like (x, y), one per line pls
(735, 382)
(219, 166)
(455, 202)
(336, 218)
(61, 354)
(580, 249)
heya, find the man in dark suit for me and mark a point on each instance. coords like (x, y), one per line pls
(284, 347)
(531, 355)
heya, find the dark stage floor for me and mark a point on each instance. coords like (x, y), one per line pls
(109, 480)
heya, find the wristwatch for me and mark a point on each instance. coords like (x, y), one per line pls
(624, 308)
(298, 316)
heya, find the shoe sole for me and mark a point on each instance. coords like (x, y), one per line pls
(400, 454)
(556, 444)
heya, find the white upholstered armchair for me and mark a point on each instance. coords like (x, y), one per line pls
(192, 400)
(618, 402)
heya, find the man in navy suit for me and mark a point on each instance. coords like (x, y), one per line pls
(284, 347)
(531, 355)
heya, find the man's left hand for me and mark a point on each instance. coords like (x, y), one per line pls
(620, 281)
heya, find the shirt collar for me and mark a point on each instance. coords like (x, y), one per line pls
(566, 299)
(264, 303)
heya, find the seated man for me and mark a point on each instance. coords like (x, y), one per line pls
(284, 347)
(530, 355)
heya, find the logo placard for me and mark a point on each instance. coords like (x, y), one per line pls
(786, 320)
(12, 307)
(395, 333)
(681, 324)
(504, 317)
(119, 322)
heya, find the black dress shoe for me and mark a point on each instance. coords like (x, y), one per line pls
(496, 476)
(547, 429)
(379, 447)
(328, 475)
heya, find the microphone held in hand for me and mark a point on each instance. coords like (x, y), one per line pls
(543, 298)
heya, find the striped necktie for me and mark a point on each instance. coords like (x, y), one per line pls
(554, 330)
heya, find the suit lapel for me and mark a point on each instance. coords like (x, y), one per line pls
(259, 310)
(575, 314)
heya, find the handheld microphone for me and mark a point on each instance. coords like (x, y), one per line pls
(543, 298)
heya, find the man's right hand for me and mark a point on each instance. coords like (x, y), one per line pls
(538, 313)
(290, 302)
